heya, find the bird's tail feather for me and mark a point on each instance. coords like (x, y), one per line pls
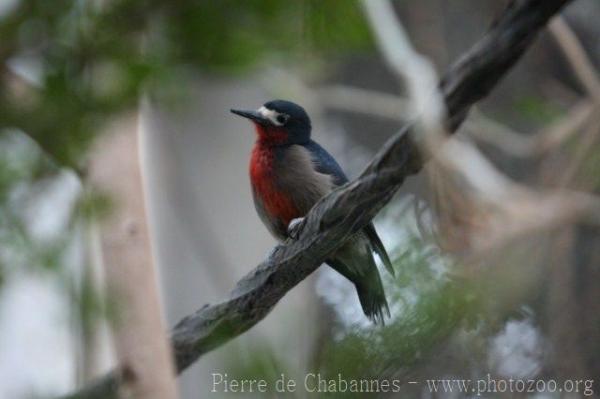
(372, 297)
(368, 287)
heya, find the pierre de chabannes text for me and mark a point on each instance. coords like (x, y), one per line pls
(315, 382)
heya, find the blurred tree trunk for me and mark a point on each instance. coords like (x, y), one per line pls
(586, 253)
(140, 338)
(573, 308)
(93, 334)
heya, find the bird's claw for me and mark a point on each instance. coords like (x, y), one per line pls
(295, 227)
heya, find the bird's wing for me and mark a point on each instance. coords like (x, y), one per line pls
(325, 163)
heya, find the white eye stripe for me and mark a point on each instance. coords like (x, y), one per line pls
(270, 114)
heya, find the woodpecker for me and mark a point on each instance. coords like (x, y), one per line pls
(289, 173)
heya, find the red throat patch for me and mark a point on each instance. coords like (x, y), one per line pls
(270, 134)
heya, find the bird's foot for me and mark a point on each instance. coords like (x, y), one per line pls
(295, 227)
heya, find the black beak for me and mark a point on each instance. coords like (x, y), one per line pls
(252, 115)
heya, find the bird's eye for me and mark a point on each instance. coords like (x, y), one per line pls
(282, 118)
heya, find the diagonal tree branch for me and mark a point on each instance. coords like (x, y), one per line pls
(346, 210)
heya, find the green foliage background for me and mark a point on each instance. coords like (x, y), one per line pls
(67, 67)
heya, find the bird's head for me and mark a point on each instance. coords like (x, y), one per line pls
(279, 122)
